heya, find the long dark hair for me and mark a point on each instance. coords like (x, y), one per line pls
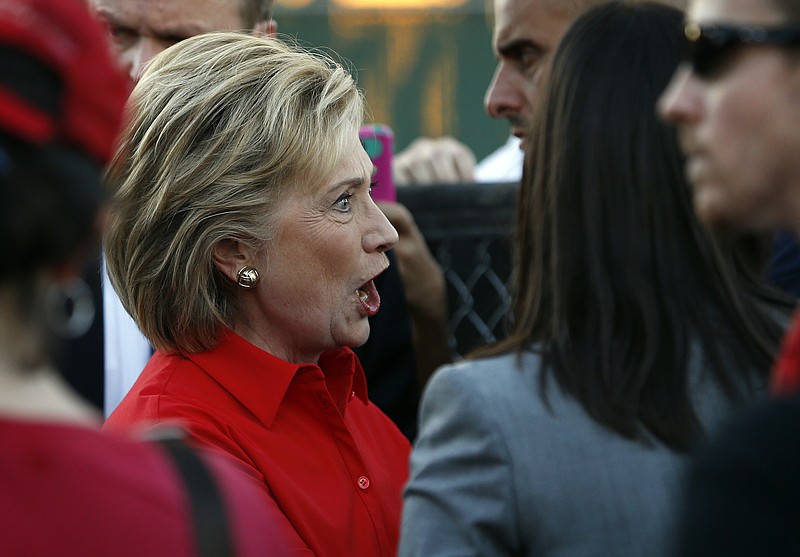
(615, 281)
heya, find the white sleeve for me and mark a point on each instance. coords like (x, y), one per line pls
(502, 165)
(126, 349)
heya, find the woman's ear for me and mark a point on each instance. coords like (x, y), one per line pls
(230, 256)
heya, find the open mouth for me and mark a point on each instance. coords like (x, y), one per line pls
(369, 297)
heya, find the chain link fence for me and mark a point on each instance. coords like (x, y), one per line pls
(468, 229)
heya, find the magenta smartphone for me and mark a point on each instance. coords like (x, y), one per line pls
(378, 141)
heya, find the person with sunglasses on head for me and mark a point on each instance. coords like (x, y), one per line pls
(710, 47)
(736, 103)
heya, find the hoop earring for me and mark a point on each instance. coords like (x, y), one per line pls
(247, 277)
(69, 308)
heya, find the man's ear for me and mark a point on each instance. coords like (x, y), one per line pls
(230, 256)
(265, 28)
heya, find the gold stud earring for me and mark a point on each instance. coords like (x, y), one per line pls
(247, 277)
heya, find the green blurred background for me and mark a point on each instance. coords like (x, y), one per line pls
(424, 70)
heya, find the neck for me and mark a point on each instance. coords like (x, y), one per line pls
(276, 348)
(29, 387)
(41, 394)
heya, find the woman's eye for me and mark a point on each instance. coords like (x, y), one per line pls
(343, 203)
(371, 186)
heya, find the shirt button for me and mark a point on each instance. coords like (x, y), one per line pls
(352, 394)
(363, 482)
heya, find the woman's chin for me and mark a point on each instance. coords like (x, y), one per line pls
(356, 336)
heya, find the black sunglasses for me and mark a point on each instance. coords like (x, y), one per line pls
(707, 47)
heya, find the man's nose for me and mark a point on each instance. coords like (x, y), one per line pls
(137, 56)
(502, 96)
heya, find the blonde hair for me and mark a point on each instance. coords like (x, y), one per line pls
(222, 127)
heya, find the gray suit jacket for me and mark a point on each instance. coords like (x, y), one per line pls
(494, 472)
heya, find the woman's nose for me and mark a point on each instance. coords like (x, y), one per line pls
(381, 235)
(678, 103)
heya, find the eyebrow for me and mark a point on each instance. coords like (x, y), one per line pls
(514, 48)
(355, 181)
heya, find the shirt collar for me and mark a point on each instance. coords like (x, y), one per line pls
(259, 380)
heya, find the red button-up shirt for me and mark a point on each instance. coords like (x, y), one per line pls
(331, 461)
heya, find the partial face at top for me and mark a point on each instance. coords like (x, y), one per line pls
(316, 291)
(526, 32)
(740, 125)
(140, 29)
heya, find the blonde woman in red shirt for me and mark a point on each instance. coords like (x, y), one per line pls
(244, 243)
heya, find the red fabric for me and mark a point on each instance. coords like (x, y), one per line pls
(71, 491)
(786, 376)
(333, 462)
(64, 35)
(17, 114)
